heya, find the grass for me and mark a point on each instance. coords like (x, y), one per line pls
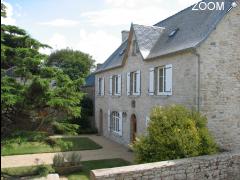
(96, 164)
(62, 145)
(21, 171)
(83, 175)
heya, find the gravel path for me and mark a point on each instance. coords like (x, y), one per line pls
(110, 150)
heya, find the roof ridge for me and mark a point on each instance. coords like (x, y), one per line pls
(152, 26)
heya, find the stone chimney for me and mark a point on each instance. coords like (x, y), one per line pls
(125, 35)
(98, 66)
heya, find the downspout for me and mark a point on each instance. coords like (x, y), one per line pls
(198, 78)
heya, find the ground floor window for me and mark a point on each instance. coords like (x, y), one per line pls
(115, 122)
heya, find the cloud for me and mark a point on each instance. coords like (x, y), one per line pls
(100, 44)
(123, 12)
(61, 23)
(57, 41)
(9, 20)
(122, 16)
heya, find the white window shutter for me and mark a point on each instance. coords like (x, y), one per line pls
(103, 84)
(98, 86)
(120, 123)
(128, 83)
(138, 82)
(109, 120)
(151, 82)
(168, 88)
(147, 121)
(110, 85)
(119, 84)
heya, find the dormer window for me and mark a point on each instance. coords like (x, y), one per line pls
(135, 48)
(173, 33)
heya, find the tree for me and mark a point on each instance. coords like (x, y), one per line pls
(174, 132)
(27, 90)
(75, 64)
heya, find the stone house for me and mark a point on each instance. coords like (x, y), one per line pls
(191, 58)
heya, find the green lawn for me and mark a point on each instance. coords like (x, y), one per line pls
(21, 171)
(62, 144)
(96, 164)
(83, 175)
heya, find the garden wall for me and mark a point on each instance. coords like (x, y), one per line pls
(218, 167)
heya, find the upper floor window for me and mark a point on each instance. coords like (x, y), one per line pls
(115, 85)
(135, 48)
(134, 83)
(101, 86)
(160, 80)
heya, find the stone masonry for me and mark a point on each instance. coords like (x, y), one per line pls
(206, 78)
(224, 166)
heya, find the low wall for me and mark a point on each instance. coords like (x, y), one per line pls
(222, 166)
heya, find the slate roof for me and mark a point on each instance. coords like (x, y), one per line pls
(192, 28)
(90, 80)
(146, 37)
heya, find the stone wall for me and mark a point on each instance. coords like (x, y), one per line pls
(220, 80)
(184, 92)
(218, 167)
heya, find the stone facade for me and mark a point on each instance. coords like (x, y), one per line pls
(219, 167)
(206, 78)
(219, 59)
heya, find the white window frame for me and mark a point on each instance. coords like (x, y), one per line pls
(101, 86)
(115, 85)
(134, 83)
(116, 122)
(164, 82)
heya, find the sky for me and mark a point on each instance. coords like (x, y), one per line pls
(91, 26)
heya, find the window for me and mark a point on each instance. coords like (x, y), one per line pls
(164, 80)
(100, 86)
(135, 48)
(115, 85)
(133, 83)
(115, 122)
(160, 80)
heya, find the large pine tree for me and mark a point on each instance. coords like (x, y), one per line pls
(31, 92)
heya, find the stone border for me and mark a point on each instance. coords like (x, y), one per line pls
(220, 166)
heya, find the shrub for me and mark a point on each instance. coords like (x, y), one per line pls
(51, 141)
(174, 132)
(74, 158)
(44, 170)
(64, 145)
(20, 137)
(65, 128)
(58, 160)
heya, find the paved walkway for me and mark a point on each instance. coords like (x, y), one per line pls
(110, 150)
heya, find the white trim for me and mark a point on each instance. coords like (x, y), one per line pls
(103, 88)
(147, 119)
(128, 83)
(120, 123)
(109, 119)
(167, 79)
(168, 88)
(151, 82)
(119, 85)
(110, 86)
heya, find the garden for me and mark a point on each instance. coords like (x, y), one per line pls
(25, 142)
(83, 173)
